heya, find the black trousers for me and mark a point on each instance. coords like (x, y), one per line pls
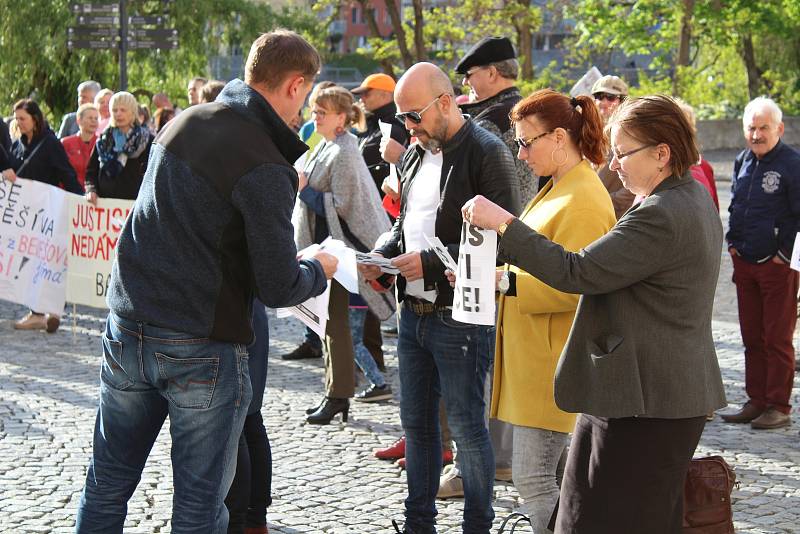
(626, 475)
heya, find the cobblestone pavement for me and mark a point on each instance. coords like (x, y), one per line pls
(325, 477)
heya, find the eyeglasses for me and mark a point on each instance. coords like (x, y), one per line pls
(606, 96)
(526, 143)
(619, 157)
(468, 74)
(416, 116)
(319, 113)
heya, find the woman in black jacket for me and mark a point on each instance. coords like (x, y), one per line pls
(38, 155)
(119, 158)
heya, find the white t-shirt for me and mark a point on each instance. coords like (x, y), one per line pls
(420, 217)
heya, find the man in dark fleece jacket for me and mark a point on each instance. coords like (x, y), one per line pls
(211, 228)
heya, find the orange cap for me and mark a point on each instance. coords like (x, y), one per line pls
(382, 82)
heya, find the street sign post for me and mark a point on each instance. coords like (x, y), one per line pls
(105, 26)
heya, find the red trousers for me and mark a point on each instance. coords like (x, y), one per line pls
(767, 296)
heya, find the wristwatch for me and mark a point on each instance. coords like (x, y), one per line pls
(504, 283)
(502, 228)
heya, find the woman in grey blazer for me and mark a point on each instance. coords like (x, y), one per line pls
(639, 363)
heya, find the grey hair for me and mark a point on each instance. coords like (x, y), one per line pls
(89, 85)
(508, 68)
(762, 103)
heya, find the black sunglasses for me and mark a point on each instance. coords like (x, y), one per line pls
(522, 142)
(606, 96)
(415, 116)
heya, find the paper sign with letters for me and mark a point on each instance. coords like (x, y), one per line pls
(474, 300)
(93, 235)
(33, 244)
(795, 263)
(584, 85)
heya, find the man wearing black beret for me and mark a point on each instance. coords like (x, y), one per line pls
(490, 69)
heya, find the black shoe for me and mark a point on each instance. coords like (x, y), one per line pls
(374, 393)
(329, 409)
(313, 409)
(406, 530)
(303, 352)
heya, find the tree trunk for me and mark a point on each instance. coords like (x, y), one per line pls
(419, 41)
(684, 44)
(753, 72)
(525, 42)
(399, 33)
(369, 14)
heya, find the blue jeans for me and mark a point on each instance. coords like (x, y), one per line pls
(148, 373)
(441, 357)
(363, 358)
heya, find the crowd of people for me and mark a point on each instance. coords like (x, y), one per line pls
(609, 237)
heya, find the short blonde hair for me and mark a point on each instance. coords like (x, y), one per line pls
(84, 108)
(126, 100)
(99, 96)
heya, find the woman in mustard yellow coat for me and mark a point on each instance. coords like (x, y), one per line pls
(557, 136)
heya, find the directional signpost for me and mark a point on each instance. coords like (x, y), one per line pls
(108, 26)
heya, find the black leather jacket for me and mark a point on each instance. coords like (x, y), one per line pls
(475, 162)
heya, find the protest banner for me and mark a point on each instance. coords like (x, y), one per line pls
(33, 244)
(584, 85)
(93, 235)
(474, 301)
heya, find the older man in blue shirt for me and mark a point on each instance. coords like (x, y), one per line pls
(764, 220)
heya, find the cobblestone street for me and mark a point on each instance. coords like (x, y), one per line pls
(325, 478)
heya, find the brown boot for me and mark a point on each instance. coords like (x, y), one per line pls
(52, 321)
(32, 321)
(770, 419)
(748, 412)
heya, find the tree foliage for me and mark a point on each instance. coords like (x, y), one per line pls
(36, 62)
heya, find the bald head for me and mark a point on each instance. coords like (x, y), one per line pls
(426, 90)
(426, 80)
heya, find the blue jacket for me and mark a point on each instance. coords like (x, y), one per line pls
(765, 204)
(211, 226)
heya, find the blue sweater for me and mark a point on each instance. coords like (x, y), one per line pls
(211, 226)
(765, 204)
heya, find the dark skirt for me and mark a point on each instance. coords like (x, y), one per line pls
(626, 475)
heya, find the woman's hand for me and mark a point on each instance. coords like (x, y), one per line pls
(9, 175)
(91, 198)
(484, 213)
(302, 181)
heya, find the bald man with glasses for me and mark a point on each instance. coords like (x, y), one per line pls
(453, 160)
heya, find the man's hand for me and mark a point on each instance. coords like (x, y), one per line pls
(777, 259)
(451, 277)
(391, 150)
(370, 272)
(732, 251)
(328, 262)
(410, 265)
(91, 198)
(483, 213)
(9, 175)
(387, 188)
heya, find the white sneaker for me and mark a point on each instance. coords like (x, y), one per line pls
(450, 484)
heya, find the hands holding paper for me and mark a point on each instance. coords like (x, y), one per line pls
(9, 175)
(329, 262)
(391, 150)
(484, 213)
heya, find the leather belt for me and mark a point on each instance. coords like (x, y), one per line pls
(422, 307)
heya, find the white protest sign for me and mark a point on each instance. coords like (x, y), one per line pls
(392, 181)
(33, 245)
(93, 235)
(795, 263)
(313, 313)
(474, 301)
(442, 252)
(584, 85)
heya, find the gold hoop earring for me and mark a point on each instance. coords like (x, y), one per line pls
(553, 159)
